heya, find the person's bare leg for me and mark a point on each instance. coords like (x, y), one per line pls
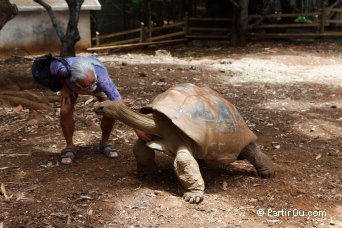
(145, 158)
(106, 128)
(68, 127)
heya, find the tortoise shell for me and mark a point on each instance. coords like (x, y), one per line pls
(207, 118)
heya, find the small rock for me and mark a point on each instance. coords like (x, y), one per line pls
(142, 74)
(32, 122)
(192, 67)
(225, 62)
(301, 191)
(18, 108)
(151, 195)
(90, 212)
(158, 193)
(88, 101)
(253, 200)
(162, 53)
(276, 145)
(224, 185)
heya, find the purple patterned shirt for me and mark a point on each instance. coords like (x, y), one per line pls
(104, 82)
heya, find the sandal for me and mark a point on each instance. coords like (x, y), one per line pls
(67, 156)
(108, 151)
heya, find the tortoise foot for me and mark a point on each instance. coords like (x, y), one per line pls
(267, 172)
(262, 163)
(265, 167)
(193, 196)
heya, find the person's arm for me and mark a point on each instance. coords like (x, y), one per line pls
(62, 73)
(66, 94)
(106, 85)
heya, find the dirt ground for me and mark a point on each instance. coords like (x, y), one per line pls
(289, 94)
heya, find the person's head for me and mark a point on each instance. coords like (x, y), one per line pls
(83, 74)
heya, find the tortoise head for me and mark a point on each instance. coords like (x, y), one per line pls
(108, 108)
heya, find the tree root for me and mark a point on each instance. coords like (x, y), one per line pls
(25, 94)
(7, 84)
(52, 98)
(28, 84)
(4, 103)
(26, 103)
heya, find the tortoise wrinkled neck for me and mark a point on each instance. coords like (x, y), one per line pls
(131, 118)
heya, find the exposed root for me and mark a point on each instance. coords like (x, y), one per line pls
(52, 99)
(26, 95)
(26, 103)
(4, 103)
(7, 84)
(24, 84)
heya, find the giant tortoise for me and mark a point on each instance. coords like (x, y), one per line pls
(190, 123)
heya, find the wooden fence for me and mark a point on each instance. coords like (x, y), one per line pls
(318, 26)
(208, 28)
(142, 37)
(272, 26)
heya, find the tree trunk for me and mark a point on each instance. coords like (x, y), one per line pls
(67, 47)
(240, 24)
(72, 35)
(7, 12)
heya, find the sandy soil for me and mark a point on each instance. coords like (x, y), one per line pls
(289, 94)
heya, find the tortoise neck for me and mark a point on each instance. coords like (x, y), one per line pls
(135, 119)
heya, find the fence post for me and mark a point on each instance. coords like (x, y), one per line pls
(186, 27)
(142, 32)
(322, 21)
(97, 39)
(150, 31)
(149, 21)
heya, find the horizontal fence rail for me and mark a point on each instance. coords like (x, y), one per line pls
(144, 36)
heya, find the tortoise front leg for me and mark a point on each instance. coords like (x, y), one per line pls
(145, 158)
(189, 174)
(261, 161)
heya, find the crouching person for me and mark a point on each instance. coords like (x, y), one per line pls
(86, 76)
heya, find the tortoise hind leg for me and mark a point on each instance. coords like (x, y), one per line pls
(189, 174)
(261, 161)
(145, 158)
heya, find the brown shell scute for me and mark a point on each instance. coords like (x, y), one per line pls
(207, 118)
(217, 113)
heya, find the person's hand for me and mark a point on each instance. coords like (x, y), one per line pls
(143, 135)
(66, 95)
